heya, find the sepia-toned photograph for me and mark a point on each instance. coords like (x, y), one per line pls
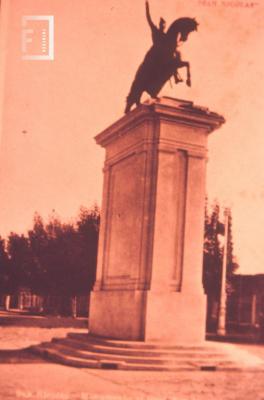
(131, 200)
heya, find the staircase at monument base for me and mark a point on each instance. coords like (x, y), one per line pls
(85, 351)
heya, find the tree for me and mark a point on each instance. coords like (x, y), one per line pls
(4, 273)
(3, 267)
(65, 257)
(213, 260)
(38, 242)
(88, 232)
(21, 263)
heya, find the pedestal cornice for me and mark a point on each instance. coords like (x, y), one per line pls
(180, 111)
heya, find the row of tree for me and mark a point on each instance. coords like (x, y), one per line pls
(59, 259)
(53, 259)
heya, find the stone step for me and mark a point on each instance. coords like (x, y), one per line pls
(228, 366)
(84, 338)
(55, 354)
(65, 348)
(98, 353)
(130, 352)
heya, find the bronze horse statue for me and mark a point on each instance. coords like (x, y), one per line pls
(162, 60)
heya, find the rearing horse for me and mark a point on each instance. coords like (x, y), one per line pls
(162, 62)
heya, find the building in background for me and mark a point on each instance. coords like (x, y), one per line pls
(244, 310)
(245, 305)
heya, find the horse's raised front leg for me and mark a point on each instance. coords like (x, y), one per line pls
(187, 65)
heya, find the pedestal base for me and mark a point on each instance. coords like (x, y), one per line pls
(175, 317)
(118, 314)
(148, 316)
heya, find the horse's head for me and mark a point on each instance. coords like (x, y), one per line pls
(183, 26)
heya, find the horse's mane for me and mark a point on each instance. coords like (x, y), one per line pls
(182, 24)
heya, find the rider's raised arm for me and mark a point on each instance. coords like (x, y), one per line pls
(151, 24)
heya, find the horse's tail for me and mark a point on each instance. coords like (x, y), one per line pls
(138, 86)
(128, 106)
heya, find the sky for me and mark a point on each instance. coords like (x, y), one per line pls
(52, 109)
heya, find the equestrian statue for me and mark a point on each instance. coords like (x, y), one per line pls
(163, 59)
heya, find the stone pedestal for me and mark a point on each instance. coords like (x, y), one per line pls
(149, 272)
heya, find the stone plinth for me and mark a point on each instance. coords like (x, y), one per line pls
(149, 271)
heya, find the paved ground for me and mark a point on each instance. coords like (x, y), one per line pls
(24, 376)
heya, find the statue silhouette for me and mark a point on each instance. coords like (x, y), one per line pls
(162, 60)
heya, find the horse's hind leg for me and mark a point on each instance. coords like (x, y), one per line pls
(132, 100)
(153, 94)
(128, 106)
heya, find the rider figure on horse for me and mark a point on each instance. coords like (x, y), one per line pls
(158, 36)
